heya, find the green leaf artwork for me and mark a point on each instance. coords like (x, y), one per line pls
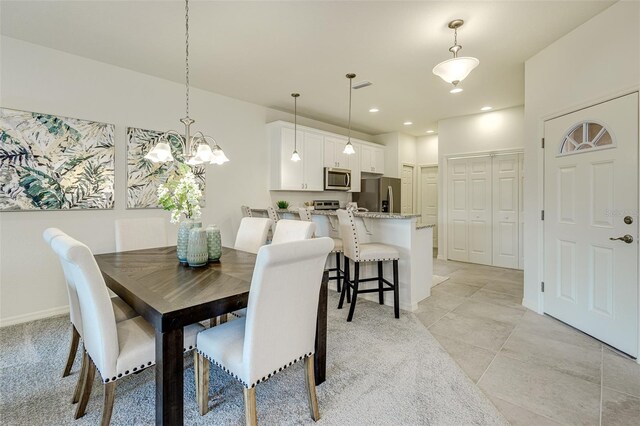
(49, 162)
(145, 177)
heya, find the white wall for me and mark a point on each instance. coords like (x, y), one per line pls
(596, 61)
(485, 132)
(427, 150)
(39, 79)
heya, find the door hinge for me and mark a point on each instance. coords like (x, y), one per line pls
(542, 286)
(541, 214)
(543, 143)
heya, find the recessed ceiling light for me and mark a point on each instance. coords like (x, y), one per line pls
(408, 123)
(374, 110)
(486, 108)
(430, 131)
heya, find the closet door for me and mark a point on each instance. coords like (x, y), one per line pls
(458, 210)
(506, 211)
(479, 213)
(521, 208)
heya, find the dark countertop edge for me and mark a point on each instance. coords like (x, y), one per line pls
(367, 215)
(425, 225)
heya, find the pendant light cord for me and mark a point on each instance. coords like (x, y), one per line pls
(295, 124)
(350, 90)
(186, 57)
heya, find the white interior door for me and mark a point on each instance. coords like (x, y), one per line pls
(407, 190)
(480, 210)
(521, 211)
(429, 198)
(505, 210)
(591, 196)
(457, 210)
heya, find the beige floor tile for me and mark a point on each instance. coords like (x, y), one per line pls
(519, 416)
(619, 409)
(501, 299)
(477, 331)
(472, 359)
(456, 288)
(514, 289)
(512, 275)
(620, 373)
(429, 316)
(545, 391)
(441, 299)
(551, 328)
(471, 277)
(580, 361)
(490, 311)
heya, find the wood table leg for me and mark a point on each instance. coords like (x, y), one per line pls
(169, 377)
(320, 364)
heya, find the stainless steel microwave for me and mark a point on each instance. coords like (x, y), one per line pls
(337, 179)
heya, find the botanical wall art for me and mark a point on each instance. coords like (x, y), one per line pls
(49, 162)
(144, 177)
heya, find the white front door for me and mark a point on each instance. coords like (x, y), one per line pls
(591, 197)
(429, 198)
(407, 190)
(505, 210)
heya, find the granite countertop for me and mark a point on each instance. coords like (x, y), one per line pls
(368, 215)
(425, 225)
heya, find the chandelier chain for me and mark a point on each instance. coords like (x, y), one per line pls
(455, 36)
(186, 58)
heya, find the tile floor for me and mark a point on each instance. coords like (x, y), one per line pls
(535, 369)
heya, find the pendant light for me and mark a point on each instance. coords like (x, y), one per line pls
(456, 69)
(196, 148)
(348, 148)
(295, 156)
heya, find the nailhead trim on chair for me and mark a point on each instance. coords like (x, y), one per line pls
(135, 369)
(223, 368)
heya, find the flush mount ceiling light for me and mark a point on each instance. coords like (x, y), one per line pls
(486, 108)
(374, 110)
(196, 149)
(408, 123)
(295, 156)
(348, 148)
(430, 131)
(456, 69)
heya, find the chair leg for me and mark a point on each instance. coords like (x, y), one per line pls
(202, 390)
(396, 290)
(87, 385)
(354, 296)
(107, 406)
(310, 380)
(345, 283)
(380, 284)
(251, 417)
(83, 372)
(338, 287)
(196, 366)
(73, 348)
(222, 319)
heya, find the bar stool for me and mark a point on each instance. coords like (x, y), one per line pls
(246, 211)
(337, 250)
(359, 253)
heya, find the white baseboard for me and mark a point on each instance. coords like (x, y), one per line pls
(530, 305)
(46, 313)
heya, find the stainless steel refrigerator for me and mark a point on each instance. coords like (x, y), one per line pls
(379, 195)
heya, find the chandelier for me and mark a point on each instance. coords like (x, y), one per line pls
(196, 148)
(456, 69)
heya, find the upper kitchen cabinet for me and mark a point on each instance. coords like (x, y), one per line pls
(333, 153)
(303, 175)
(371, 159)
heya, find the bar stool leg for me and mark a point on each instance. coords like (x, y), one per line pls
(345, 283)
(396, 290)
(380, 284)
(356, 281)
(338, 271)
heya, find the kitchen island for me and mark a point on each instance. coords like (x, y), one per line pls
(413, 241)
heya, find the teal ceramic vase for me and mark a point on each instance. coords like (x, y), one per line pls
(197, 251)
(214, 243)
(183, 239)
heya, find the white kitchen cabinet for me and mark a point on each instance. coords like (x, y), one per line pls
(303, 175)
(354, 166)
(333, 153)
(371, 159)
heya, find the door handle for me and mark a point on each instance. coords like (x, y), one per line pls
(626, 238)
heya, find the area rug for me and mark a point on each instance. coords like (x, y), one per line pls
(380, 371)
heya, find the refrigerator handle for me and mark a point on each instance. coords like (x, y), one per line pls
(390, 198)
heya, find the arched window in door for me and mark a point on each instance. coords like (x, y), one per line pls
(587, 135)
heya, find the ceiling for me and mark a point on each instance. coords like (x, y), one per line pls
(262, 51)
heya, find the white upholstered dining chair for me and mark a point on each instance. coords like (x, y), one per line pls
(115, 349)
(140, 233)
(292, 230)
(252, 234)
(279, 328)
(121, 312)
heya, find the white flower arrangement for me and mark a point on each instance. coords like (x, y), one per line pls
(181, 197)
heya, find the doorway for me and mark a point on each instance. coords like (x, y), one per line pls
(591, 221)
(406, 196)
(429, 199)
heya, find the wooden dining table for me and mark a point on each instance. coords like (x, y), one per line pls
(171, 296)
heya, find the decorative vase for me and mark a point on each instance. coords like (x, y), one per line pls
(183, 239)
(214, 243)
(197, 252)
